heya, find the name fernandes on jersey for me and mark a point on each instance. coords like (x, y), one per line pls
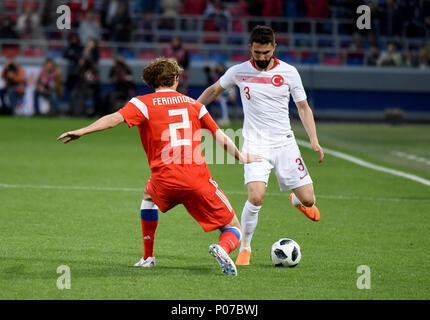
(172, 100)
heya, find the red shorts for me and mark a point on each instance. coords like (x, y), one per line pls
(207, 204)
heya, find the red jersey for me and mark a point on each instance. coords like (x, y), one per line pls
(170, 126)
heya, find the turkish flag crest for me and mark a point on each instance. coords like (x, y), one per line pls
(277, 80)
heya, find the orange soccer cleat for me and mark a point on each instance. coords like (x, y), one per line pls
(243, 258)
(311, 212)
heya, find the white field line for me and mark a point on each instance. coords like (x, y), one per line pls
(227, 192)
(36, 186)
(279, 194)
(369, 165)
(411, 157)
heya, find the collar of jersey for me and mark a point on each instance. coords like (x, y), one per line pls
(274, 65)
(165, 90)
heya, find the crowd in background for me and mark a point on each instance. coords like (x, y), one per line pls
(82, 81)
(113, 20)
(390, 17)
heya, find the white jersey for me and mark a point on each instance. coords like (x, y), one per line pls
(265, 96)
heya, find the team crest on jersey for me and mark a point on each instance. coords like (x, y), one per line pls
(277, 80)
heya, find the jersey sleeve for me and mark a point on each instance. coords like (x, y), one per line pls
(134, 112)
(297, 90)
(227, 79)
(207, 121)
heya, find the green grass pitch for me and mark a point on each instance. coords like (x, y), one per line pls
(63, 205)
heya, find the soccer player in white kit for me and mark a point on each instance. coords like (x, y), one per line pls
(265, 85)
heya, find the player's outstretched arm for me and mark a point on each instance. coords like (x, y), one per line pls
(307, 118)
(106, 122)
(210, 93)
(224, 141)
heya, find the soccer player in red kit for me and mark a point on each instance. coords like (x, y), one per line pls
(170, 126)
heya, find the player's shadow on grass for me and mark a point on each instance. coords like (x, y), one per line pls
(169, 262)
(192, 269)
(29, 267)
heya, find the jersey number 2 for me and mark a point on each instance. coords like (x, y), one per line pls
(185, 124)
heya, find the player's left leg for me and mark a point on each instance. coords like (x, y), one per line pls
(303, 198)
(149, 221)
(227, 242)
(210, 207)
(230, 235)
(292, 174)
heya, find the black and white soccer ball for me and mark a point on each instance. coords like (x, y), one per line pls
(285, 253)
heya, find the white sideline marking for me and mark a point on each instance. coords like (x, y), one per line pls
(366, 164)
(274, 194)
(35, 186)
(301, 143)
(411, 157)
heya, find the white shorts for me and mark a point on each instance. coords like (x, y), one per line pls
(286, 162)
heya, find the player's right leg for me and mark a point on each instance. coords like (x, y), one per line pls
(149, 221)
(249, 219)
(256, 179)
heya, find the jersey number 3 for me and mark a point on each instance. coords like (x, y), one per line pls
(185, 124)
(247, 95)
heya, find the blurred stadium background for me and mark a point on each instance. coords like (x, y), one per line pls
(381, 74)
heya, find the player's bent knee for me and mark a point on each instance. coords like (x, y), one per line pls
(256, 192)
(308, 202)
(256, 201)
(234, 223)
(146, 196)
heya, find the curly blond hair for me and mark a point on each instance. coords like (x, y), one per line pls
(161, 72)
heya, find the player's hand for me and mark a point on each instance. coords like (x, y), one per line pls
(249, 157)
(317, 148)
(71, 135)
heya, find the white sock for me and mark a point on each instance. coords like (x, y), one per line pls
(296, 202)
(248, 221)
(148, 204)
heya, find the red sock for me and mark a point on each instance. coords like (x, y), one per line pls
(229, 239)
(148, 234)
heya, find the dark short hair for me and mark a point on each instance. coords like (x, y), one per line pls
(262, 35)
(161, 72)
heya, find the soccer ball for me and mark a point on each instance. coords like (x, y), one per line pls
(285, 253)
